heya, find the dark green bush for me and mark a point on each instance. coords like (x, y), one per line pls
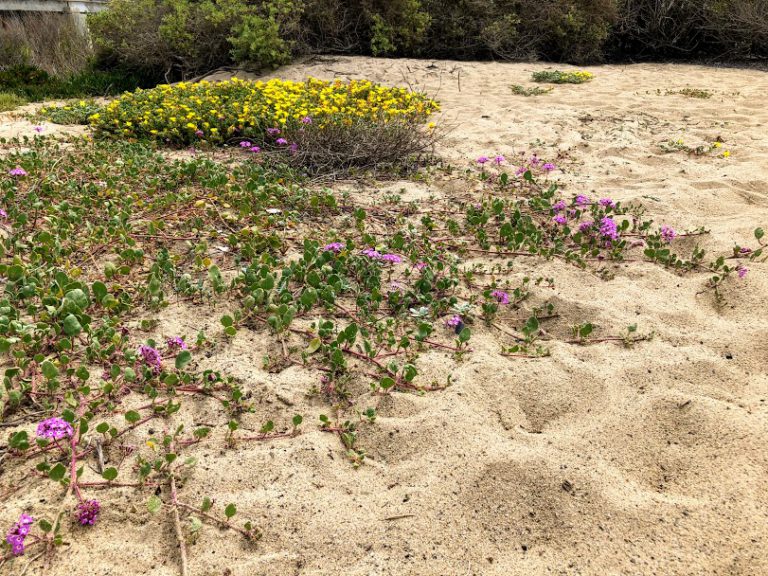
(33, 84)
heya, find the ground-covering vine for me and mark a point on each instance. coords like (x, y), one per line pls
(98, 241)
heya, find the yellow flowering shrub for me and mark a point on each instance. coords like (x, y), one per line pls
(236, 109)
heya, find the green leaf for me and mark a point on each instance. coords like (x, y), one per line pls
(386, 383)
(132, 416)
(314, 345)
(99, 291)
(19, 441)
(154, 504)
(297, 420)
(226, 321)
(207, 504)
(109, 474)
(44, 525)
(230, 511)
(57, 472)
(49, 370)
(102, 428)
(72, 325)
(759, 233)
(184, 357)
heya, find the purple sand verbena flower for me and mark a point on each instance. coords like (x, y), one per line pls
(334, 247)
(500, 296)
(255, 149)
(560, 219)
(294, 148)
(534, 160)
(421, 265)
(520, 171)
(608, 229)
(18, 171)
(742, 271)
(3, 214)
(453, 321)
(199, 133)
(18, 533)
(558, 206)
(152, 357)
(585, 227)
(306, 120)
(371, 253)
(548, 167)
(273, 131)
(745, 250)
(607, 202)
(245, 144)
(582, 200)
(391, 258)
(39, 129)
(482, 160)
(281, 141)
(499, 160)
(668, 234)
(88, 512)
(54, 429)
(177, 342)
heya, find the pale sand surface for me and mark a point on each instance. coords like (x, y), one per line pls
(598, 460)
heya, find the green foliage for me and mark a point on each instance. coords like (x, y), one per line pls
(10, 101)
(33, 84)
(559, 77)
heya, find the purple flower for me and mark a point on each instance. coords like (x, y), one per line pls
(560, 219)
(558, 206)
(421, 265)
(39, 129)
(54, 429)
(88, 512)
(273, 131)
(585, 227)
(3, 214)
(453, 321)
(745, 250)
(152, 357)
(177, 342)
(548, 167)
(18, 533)
(200, 134)
(499, 160)
(582, 200)
(608, 229)
(667, 234)
(742, 271)
(306, 120)
(294, 148)
(245, 144)
(607, 202)
(500, 296)
(391, 258)
(18, 171)
(255, 149)
(482, 160)
(334, 247)
(535, 160)
(281, 141)
(520, 171)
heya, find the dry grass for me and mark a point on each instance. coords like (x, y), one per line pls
(48, 41)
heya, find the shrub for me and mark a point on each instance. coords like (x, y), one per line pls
(10, 101)
(558, 77)
(321, 123)
(34, 84)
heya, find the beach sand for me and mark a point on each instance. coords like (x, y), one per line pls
(599, 460)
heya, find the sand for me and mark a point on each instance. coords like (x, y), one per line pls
(598, 460)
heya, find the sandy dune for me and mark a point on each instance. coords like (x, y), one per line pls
(596, 461)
